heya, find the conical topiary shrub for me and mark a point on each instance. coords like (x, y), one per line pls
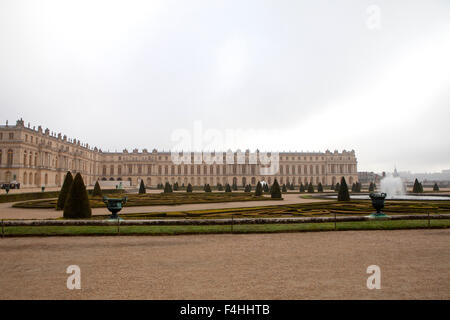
(435, 187)
(275, 191)
(310, 188)
(343, 194)
(319, 187)
(97, 190)
(64, 191)
(77, 203)
(189, 188)
(371, 188)
(302, 187)
(207, 188)
(266, 188)
(283, 188)
(416, 187)
(142, 187)
(168, 188)
(258, 190)
(227, 188)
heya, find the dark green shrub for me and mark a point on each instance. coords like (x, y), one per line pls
(259, 189)
(97, 192)
(189, 188)
(435, 187)
(227, 188)
(371, 188)
(310, 188)
(142, 187)
(283, 188)
(62, 197)
(302, 187)
(319, 187)
(266, 188)
(275, 191)
(77, 203)
(417, 187)
(343, 194)
(168, 188)
(207, 188)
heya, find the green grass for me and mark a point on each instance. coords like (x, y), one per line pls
(325, 208)
(26, 196)
(248, 228)
(154, 199)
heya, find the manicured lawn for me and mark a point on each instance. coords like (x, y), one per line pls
(25, 196)
(326, 208)
(153, 199)
(250, 228)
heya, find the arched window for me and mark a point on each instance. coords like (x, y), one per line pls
(25, 178)
(35, 160)
(119, 170)
(46, 179)
(111, 170)
(30, 178)
(25, 158)
(0, 156)
(9, 159)
(104, 170)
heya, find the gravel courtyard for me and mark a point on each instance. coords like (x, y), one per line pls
(415, 264)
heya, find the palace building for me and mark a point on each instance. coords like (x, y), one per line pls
(37, 157)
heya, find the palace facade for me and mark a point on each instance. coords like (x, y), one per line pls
(36, 157)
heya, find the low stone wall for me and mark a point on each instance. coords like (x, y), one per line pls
(174, 222)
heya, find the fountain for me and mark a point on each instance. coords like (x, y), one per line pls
(392, 186)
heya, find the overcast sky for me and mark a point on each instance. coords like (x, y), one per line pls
(373, 76)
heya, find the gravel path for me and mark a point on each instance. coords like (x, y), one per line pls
(415, 264)
(7, 212)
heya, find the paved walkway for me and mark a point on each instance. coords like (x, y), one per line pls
(414, 264)
(7, 212)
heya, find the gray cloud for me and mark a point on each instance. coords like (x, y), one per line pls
(122, 74)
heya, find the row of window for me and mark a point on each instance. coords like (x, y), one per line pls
(9, 157)
(222, 169)
(243, 180)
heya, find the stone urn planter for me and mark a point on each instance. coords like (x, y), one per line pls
(378, 204)
(114, 205)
